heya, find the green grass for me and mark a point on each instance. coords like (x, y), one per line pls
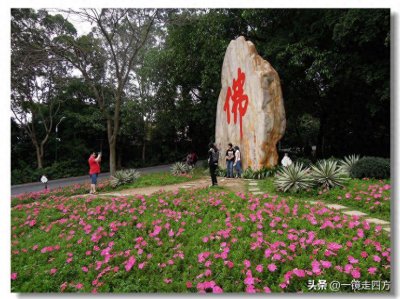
(162, 179)
(357, 188)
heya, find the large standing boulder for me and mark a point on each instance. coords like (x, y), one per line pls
(250, 111)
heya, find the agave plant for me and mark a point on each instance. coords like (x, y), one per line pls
(327, 174)
(347, 164)
(293, 178)
(122, 177)
(180, 168)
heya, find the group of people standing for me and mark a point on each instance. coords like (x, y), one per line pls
(233, 161)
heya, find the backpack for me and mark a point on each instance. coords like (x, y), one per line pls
(215, 156)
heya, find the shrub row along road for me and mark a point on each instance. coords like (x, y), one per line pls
(33, 187)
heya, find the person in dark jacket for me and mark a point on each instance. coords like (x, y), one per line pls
(213, 155)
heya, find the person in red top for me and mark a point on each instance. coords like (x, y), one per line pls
(94, 170)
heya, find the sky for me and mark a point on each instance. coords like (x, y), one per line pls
(84, 28)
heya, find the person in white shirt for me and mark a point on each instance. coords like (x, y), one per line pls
(286, 161)
(238, 162)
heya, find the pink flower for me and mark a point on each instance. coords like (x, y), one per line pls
(352, 260)
(189, 284)
(267, 252)
(229, 264)
(205, 239)
(250, 289)
(217, 290)
(272, 267)
(283, 285)
(371, 270)
(130, 263)
(376, 258)
(85, 269)
(267, 289)
(53, 271)
(326, 264)
(364, 254)
(141, 265)
(299, 273)
(259, 268)
(249, 280)
(79, 286)
(355, 273)
(247, 263)
(348, 268)
(334, 246)
(14, 276)
(276, 257)
(167, 280)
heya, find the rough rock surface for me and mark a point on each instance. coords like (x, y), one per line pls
(250, 111)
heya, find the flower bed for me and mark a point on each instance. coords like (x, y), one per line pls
(192, 241)
(366, 195)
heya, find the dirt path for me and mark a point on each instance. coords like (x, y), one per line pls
(234, 185)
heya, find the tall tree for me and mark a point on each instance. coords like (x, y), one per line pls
(36, 76)
(106, 58)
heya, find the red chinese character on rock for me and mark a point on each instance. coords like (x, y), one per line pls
(239, 99)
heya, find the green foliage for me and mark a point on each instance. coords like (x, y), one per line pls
(346, 165)
(221, 172)
(180, 168)
(123, 177)
(260, 174)
(371, 167)
(248, 173)
(293, 178)
(57, 170)
(327, 174)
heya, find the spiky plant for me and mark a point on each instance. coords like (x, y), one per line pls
(180, 168)
(327, 174)
(122, 177)
(293, 178)
(347, 164)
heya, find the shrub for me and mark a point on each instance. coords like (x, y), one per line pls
(371, 167)
(180, 168)
(327, 174)
(221, 172)
(248, 173)
(265, 172)
(57, 170)
(293, 178)
(347, 164)
(123, 177)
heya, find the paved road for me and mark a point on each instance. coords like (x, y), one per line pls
(32, 187)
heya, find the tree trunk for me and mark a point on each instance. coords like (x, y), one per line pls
(144, 152)
(39, 157)
(113, 158)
